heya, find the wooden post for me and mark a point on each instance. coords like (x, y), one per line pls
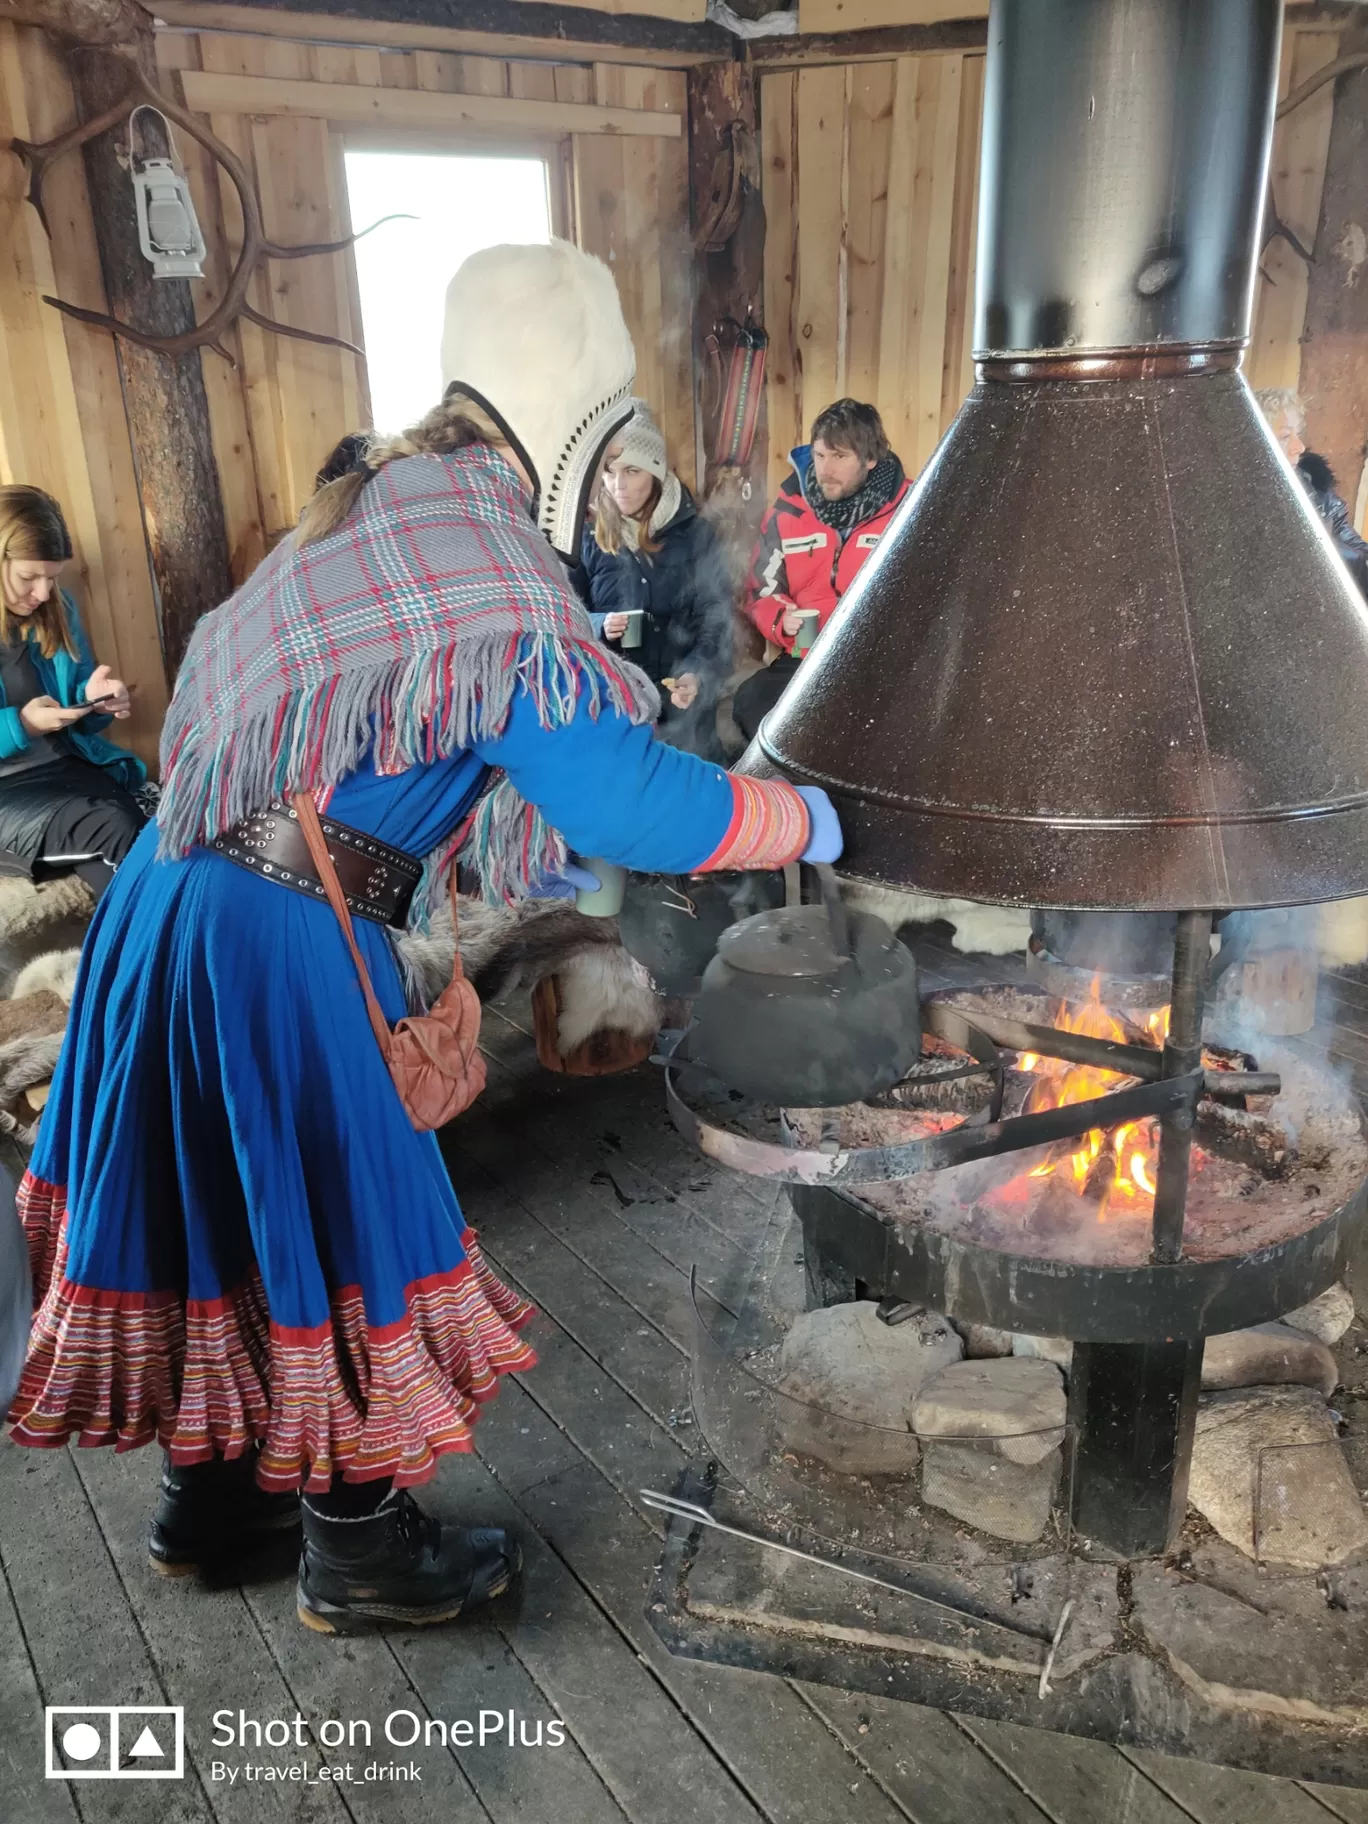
(164, 399)
(731, 281)
(731, 284)
(1334, 366)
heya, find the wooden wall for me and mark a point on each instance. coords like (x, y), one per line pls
(870, 183)
(282, 404)
(61, 419)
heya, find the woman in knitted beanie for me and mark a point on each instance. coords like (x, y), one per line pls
(656, 584)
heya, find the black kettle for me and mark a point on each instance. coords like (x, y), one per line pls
(809, 1006)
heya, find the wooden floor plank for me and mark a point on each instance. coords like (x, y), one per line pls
(582, 1415)
(364, 1681)
(633, 1734)
(634, 1351)
(1075, 1781)
(514, 1782)
(586, 1227)
(1225, 1795)
(208, 1652)
(1348, 1804)
(536, 1453)
(443, 1675)
(919, 1757)
(607, 1123)
(793, 1768)
(695, 1221)
(25, 1793)
(82, 1633)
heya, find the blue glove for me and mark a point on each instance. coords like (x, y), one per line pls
(564, 885)
(825, 840)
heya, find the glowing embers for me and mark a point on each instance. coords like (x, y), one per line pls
(1114, 1169)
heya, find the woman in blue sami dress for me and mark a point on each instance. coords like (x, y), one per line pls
(242, 1249)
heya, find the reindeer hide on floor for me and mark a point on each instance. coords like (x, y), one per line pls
(598, 989)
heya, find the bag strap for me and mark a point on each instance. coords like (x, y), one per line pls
(307, 812)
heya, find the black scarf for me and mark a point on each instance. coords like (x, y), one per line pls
(878, 488)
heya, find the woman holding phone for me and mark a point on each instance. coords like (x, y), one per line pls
(66, 794)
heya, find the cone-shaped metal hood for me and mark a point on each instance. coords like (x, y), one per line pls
(1106, 655)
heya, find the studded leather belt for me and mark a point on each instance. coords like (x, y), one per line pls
(378, 881)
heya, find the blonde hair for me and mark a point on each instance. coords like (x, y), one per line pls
(1277, 402)
(32, 527)
(453, 425)
(609, 525)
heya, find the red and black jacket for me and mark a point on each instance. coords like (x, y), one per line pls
(802, 562)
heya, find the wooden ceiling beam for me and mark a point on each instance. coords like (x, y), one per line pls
(487, 28)
(352, 104)
(875, 45)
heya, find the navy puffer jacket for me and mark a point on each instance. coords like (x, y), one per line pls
(683, 589)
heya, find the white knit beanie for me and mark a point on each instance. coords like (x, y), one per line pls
(642, 443)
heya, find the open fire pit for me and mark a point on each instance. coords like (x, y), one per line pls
(981, 1187)
(1071, 1586)
(1060, 1239)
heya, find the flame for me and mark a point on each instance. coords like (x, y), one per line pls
(1116, 1167)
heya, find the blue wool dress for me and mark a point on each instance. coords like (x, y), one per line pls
(237, 1235)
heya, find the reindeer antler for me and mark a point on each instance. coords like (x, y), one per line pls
(1276, 229)
(114, 25)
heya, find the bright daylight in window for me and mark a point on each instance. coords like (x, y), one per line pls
(461, 204)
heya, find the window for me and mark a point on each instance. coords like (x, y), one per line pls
(461, 204)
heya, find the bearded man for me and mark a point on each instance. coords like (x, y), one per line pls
(827, 518)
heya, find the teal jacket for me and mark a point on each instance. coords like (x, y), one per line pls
(64, 678)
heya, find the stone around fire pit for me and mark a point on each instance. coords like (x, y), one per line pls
(1056, 1349)
(1327, 1317)
(1269, 1355)
(1277, 1447)
(1017, 1404)
(857, 1378)
(972, 1482)
(982, 1343)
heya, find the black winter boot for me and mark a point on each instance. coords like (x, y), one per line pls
(212, 1515)
(396, 1563)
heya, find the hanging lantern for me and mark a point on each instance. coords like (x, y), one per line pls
(168, 231)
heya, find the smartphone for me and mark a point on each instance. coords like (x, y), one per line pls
(102, 702)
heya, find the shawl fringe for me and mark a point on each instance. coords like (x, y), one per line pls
(428, 709)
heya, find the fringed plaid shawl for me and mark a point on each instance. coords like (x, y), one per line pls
(405, 632)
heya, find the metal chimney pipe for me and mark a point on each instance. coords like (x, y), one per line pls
(1124, 160)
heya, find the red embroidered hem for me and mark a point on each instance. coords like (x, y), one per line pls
(770, 827)
(207, 1377)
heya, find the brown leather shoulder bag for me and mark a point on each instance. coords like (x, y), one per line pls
(434, 1058)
